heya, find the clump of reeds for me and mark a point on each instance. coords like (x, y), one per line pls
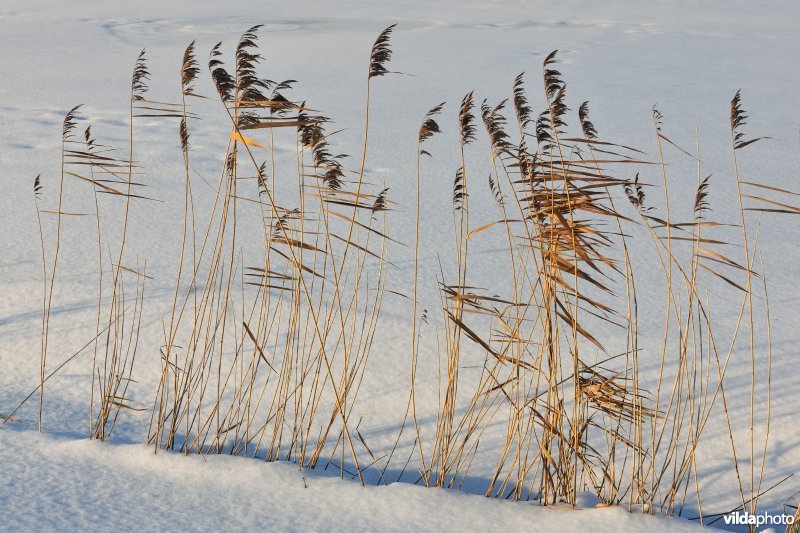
(255, 387)
(258, 343)
(573, 424)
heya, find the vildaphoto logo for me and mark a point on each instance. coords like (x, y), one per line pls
(740, 518)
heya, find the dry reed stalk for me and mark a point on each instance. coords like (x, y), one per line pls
(69, 123)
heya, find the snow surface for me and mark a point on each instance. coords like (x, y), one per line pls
(57, 484)
(624, 56)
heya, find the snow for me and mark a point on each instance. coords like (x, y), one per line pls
(57, 484)
(624, 56)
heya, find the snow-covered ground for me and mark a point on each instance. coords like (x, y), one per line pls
(622, 55)
(56, 485)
